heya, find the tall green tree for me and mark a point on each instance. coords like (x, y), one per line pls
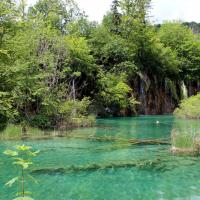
(187, 47)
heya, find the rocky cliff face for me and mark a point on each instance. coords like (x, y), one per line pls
(161, 96)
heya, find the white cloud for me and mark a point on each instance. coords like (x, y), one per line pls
(185, 10)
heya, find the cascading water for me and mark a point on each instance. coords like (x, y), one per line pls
(158, 96)
(184, 90)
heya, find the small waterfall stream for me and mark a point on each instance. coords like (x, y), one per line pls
(184, 90)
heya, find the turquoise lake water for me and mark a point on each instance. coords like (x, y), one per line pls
(173, 177)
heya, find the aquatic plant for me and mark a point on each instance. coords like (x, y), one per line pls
(186, 131)
(183, 140)
(13, 131)
(22, 156)
(186, 136)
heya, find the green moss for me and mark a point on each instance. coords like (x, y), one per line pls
(189, 108)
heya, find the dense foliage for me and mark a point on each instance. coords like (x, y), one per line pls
(56, 66)
(189, 108)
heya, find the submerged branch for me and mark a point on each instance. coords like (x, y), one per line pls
(94, 167)
(164, 141)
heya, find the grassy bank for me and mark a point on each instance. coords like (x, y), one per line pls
(13, 131)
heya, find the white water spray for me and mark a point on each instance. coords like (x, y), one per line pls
(184, 91)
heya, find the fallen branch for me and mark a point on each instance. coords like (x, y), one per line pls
(95, 167)
(164, 141)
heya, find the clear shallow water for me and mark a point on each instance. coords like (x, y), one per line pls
(173, 177)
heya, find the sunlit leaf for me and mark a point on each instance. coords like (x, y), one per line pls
(10, 152)
(23, 148)
(77, 74)
(23, 163)
(12, 181)
(33, 153)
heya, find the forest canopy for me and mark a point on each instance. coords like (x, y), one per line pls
(55, 64)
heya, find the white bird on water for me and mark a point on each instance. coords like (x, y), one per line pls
(157, 122)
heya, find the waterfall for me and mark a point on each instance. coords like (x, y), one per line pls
(184, 90)
(143, 95)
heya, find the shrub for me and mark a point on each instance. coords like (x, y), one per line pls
(3, 122)
(189, 108)
(41, 121)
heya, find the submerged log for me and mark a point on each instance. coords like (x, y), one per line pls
(185, 151)
(94, 167)
(164, 141)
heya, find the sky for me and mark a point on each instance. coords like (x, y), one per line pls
(162, 10)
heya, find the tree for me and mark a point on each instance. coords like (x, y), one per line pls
(113, 19)
(114, 93)
(55, 13)
(8, 16)
(42, 66)
(51, 56)
(187, 47)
